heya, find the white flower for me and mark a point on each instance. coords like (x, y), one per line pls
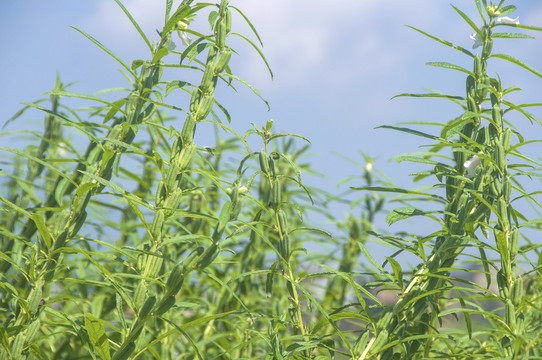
(471, 165)
(369, 167)
(170, 45)
(509, 21)
(184, 37)
(477, 40)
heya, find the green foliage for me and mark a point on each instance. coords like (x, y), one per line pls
(144, 245)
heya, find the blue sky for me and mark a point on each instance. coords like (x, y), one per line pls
(336, 65)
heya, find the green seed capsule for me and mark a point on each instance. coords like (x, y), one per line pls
(208, 82)
(517, 291)
(161, 194)
(502, 284)
(157, 223)
(153, 266)
(500, 157)
(175, 279)
(488, 47)
(275, 198)
(186, 156)
(264, 164)
(510, 314)
(221, 32)
(32, 331)
(477, 66)
(471, 104)
(124, 352)
(164, 305)
(360, 344)
(195, 99)
(380, 341)
(205, 107)
(514, 242)
(189, 128)
(471, 86)
(222, 61)
(208, 257)
(507, 139)
(147, 307)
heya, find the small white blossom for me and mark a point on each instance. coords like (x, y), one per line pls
(369, 167)
(509, 21)
(170, 45)
(477, 40)
(471, 165)
(184, 37)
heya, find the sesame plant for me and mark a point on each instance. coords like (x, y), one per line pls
(122, 238)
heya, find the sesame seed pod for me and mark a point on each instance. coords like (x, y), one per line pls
(34, 299)
(380, 341)
(264, 164)
(272, 167)
(124, 352)
(187, 133)
(471, 86)
(360, 344)
(205, 106)
(208, 257)
(506, 187)
(500, 157)
(176, 277)
(32, 330)
(186, 156)
(161, 194)
(477, 66)
(190, 261)
(486, 51)
(147, 308)
(510, 314)
(153, 265)
(471, 104)
(481, 88)
(504, 291)
(494, 186)
(275, 196)
(222, 61)
(164, 305)
(496, 115)
(157, 223)
(208, 82)
(514, 242)
(502, 212)
(195, 99)
(384, 321)
(227, 19)
(140, 294)
(516, 291)
(17, 345)
(220, 33)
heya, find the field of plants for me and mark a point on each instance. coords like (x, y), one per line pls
(123, 238)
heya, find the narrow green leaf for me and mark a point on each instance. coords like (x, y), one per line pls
(249, 24)
(512, 36)
(398, 191)
(254, 90)
(447, 65)
(409, 131)
(136, 25)
(262, 56)
(517, 62)
(406, 212)
(444, 42)
(469, 21)
(175, 84)
(507, 10)
(97, 336)
(106, 50)
(396, 267)
(42, 228)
